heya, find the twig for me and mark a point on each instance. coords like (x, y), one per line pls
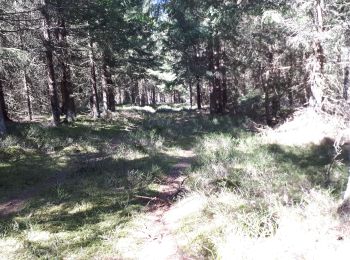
(150, 198)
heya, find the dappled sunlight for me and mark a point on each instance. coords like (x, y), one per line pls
(145, 193)
(81, 207)
(11, 248)
(174, 129)
(38, 236)
(308, 127)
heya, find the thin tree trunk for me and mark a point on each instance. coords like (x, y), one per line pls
(216, 96)
(224, 89)
(27, 94)
(213, 94)
(3, 102)
(26, 81)
(2, 123)
(199, 98)
(224, 79)
(52, 87)
(111, 99)
(154, 96)
(120, 95)
(94, 101)
(317, 77)
(267, 107)
(346, 82)
(68, 104)
(105, 91)
(135, 92)
(290, 80)
(191, 93)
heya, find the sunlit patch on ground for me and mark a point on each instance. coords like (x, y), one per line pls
(10, 248)
(168, 184)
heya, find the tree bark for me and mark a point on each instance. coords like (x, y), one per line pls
(105, 86)
(154, 96)
(216, 96)
(317, 80)
(94, 101)
(199, 97)
(26, 82)
(3, 102)
(52, 86)
(68, 104)
(2, 123)
(27, 95)
(346, 82)
(191, 93)
(224, 88)
(142, 93)
(134, 92)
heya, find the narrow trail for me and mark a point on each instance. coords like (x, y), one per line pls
(160, 241)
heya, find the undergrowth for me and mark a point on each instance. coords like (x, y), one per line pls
(252, 194)
(244, 196)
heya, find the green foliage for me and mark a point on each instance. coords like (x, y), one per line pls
(239, 185)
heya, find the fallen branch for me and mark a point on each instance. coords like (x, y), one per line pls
(150, 198)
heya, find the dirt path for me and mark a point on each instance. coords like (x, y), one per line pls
(160, 241)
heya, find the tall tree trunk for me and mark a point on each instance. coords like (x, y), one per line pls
(191, 93)
(120, 95)
(224, 88)
(143, 97)
(346, 82)
(52, 87)
(218, 74)
(199, 96)
(3, 102)
(26, 81)
(94, 101)
(317, 77)
(212, 84)
(265, 86)
(105, 86)
(267, 107)
(68, 104)
(111, 99)
(135, 92)
(2, 123)
(154, 96)
(27, 95)
(276, 99)
(214, 54)
(290, 81)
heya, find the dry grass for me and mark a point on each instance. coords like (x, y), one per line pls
(249, 197)
(307, 126)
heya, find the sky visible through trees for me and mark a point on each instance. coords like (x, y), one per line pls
(276, 54)
(127, 108)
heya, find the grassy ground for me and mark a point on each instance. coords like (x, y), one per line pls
(241, 186)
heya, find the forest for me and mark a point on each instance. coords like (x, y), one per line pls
(174, 129)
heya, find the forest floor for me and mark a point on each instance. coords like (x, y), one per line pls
(169, 183)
